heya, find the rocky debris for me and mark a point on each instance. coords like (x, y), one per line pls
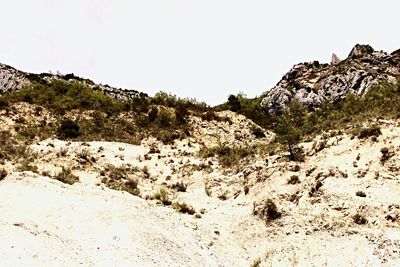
(12, 79)
(313, 83)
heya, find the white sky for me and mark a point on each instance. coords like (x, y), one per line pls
(205, 49)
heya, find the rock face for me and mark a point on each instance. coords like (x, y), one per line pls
(335, 59)
(313, 83)
(12, 79)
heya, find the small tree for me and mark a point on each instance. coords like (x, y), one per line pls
(234, 103)
(68, 129)
(289, 135)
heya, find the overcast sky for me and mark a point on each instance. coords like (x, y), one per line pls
(205, 49)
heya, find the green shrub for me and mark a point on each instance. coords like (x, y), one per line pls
(386, 154)
(129, 186)
(210, 116)
(162, 195)
(227, 156)
(183, 208)
(234, 103)
(164, 118)
(11, 149)
(289, 135)
(267, 210)
(3, 174)
(359, 219)
(361, 194)
(294, 179)
(3, 103)
(152, 116)
(179, 186)
(256, 263)
(66, 176)
(27, 165)
(257, 132)
(68, 129)
(373, 130)
(62, 96)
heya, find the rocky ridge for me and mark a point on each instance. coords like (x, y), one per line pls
(12, 79)
(313, 83)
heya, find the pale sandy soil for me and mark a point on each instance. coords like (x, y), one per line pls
(44, 222)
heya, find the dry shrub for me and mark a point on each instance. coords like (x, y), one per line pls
(3, 174)
(359, 219)
(183, 208)
(294, 179)
(66, 176)
(266, 210)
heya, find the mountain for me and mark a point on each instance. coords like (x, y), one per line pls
(314, 83)
(12, 79)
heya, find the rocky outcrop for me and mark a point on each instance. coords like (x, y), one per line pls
(335, 59)
(12, 79)
(313, 83)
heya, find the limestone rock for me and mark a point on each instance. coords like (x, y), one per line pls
(313, 83)
(361, 50)
(11, 79)
(335, 59)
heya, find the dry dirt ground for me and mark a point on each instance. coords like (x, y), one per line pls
(44, 222)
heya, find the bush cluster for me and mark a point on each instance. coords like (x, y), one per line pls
(227, 156)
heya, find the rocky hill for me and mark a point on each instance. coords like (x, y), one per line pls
(314, 83)
(162, 181)
(12, 79)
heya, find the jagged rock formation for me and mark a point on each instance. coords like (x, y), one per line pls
(314, 83)
(335, 59)
(12, 79)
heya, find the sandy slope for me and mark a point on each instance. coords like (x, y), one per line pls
(46, 223)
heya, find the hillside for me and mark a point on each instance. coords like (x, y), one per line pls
(91, 179)
(314, 83)
(12, 80)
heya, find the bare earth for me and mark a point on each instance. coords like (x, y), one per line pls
(44, 222)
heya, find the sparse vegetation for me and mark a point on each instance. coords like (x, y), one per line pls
(257, 132)
(359, 219)
(3, 174)
(256, 263)
(129, 186)
(373, 130)
(66, 176)
(294, 179)
(296, 122)
(179, 186)
(228, 156)
(267, 210)
(27, 165)
(386, 154)
(183, 208)
(10, 148)
(68, 129)
(163, 196)
(361, 194)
